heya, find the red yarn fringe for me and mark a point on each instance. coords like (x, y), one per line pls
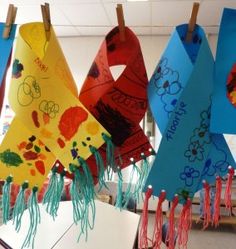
(207, 205)
(216, 215)
(157, 234)
(185, 222)
(228, 189)
(170, 236)
(143, 238)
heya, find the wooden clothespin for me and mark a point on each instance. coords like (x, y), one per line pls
(192, 22)
(46, 19)
(11, 16)
(121, 21)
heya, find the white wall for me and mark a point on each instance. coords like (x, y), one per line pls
(80, 52)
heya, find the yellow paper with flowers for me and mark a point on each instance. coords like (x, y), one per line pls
(43, 96)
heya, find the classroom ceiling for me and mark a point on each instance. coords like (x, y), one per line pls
(97, 17)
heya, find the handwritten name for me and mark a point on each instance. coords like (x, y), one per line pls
(42, 66)
(176, 121)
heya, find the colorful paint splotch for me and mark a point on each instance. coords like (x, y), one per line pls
(10, 158)
(71, 120)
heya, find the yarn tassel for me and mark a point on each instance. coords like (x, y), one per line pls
(119, 198)
(170, 236)
(157, 234)
(59, 192)
(20, 206)
(228, 189)
(216, 214)
(82, 194)
(137, 187)
(143, 238)
(185, 222)
(110, 156)
(100, 168)
(145, 168)
(76, 195)
(6, 191)
(50, 197)
(34, 214)
(207, 205)
(89, 193)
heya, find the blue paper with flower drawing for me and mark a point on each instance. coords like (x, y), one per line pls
(179, 96)
(223, 110)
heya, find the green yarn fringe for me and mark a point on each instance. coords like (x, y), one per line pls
(119, 198)
(100, 168)
(83, 195)
(35, 219)
(50, 197)
(6, 193)
(20, 206)
(110, 156)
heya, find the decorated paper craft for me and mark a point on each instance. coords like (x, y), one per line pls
(223, 99)
(44, 97)
(179, 95)
(5, 54)
(25, 159)
(119, 105)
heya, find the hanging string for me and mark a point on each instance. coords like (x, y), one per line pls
(50, 197)
(216, 215)
(119, 197)
(100, 167)
(157, 234)
(228, 190)
(6, 192)
(185, 222)
(170, 236)
(207, 205)
(20, 206)
(143, 238)
(110, 156)
(34, 214)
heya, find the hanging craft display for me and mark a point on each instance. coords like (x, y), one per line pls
(119, 105)
(53, 123)
(44, 97)
(223, 99)
(179, 94)
(5, 51)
